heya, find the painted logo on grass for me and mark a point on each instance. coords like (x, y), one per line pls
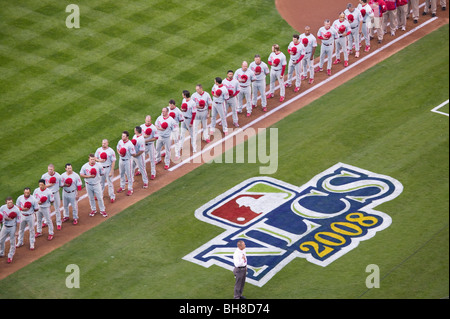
(319, 221)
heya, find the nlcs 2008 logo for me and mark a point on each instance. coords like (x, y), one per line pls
(319, 221)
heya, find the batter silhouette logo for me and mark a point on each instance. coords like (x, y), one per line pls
(320, 221)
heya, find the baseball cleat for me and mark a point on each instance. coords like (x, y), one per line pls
(253, 106)
(166, 166)
(157, 162)
(152, 177)
(9, 260)
(19, 245)
(92, 213)
(50, 237)
(145, 185)
(225, 133)
(37, 235)
(270, 95)
(65, 219)
(264, 109)
(329, 72)
(311, 81)
(281, 98)
(302, 78)
(137, 173)
(112, 200)
(208, 140)
(345, 63)
(318, 69)
(357, 54)
(367, 48)
(236, 124)
(337, 61)
(248, 114)
(44, 225)
(58, 227)
(129, 193)
(297, 88)
(31, 247)
(120, 190)
(104, 214)
(287, 85)
(75, 221)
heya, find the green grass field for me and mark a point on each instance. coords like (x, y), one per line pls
(380, 121)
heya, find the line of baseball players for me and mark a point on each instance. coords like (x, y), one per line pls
(154, 141)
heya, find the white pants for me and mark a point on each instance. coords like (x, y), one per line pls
(276, 75)
(219, 108)
(5, 233)
(232, 103)
(106, 179)
(192, 131)
(160, 142)
(140, 163)
(308, 66)
(150, 151)
(95, 191)
(201, 118)
(353, 39)
(126, 169)
(259, 86)
(70, 199)
(294, 67)
(44, 212)
(326, 51)
(24, 222)
(245, 92)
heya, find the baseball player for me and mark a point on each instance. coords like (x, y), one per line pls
(219, 95)
(232, 86)
(367, 14)
(53, 182)
(126, 151)
(277, 61)
(244, 76)
(107, 157)
(189, 111)
(177, 115)
(309, 44)
(390, 16)
(203, 103)
(343, 29)
(92, 173)
(71, 186)
(28, 207)
(296, 53)
(139, 159)
(354, 17)
(164, 124)
(45, 198)
(378, 8)
(150, 136)
(327, 35)
(413, 7)
(260, 71)
(9, 213)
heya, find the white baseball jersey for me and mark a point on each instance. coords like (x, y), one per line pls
(202, 97)
(20, 202)
(129, 147)
(357, 17)
(110, 155)
(170, 122)
(244, 81)
(5, 211)
(264, 71)
(56, 185)
(299, 51)
(312, 42)
(76, 182)
(232, 86)
(323, 32)
(223, 96)
(177, 115)
(153, 134)
(368, 9)
(140, 144)
(86, 169)
(189, 114)
(38, 194)
(337, 24)
(280, 56)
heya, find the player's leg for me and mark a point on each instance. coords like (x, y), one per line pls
(122, 173)
(167, 146)
(57, 206)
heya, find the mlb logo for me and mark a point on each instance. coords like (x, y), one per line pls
(319, 221)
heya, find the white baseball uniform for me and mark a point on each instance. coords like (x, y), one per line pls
(327, 36)
(55, 190)
(203, 103)
(44, 209)
(219, 107)
(150, 149)
(139, 161)
(177, 115)
(353, 38)
(296, 54)
(27, 218)
(341, 39)
(93, 187)
(245, 90)
(259, 83)
(188, 124)
(308, 60)
(233, 90)
(277, 71)
(8, 229)
(69, 193)
(367, 14)
(107, 166)
(164, 137)
(126, 163)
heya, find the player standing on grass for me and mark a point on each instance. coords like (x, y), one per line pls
(150, 136)
(277, 61)
(28, 207)
(107, 157)
(260, 71)
(71, 186)
(9, 213)
(126, 151)
(326, 34)
(44, 197)
(309, 43)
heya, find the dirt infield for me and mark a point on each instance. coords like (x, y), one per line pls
(298, 13)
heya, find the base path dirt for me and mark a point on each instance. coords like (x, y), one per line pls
(298, 13)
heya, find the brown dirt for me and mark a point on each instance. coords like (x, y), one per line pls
(298, 13)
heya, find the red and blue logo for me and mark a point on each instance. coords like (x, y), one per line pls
(320, 221)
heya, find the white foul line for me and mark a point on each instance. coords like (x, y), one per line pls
(435, 110)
